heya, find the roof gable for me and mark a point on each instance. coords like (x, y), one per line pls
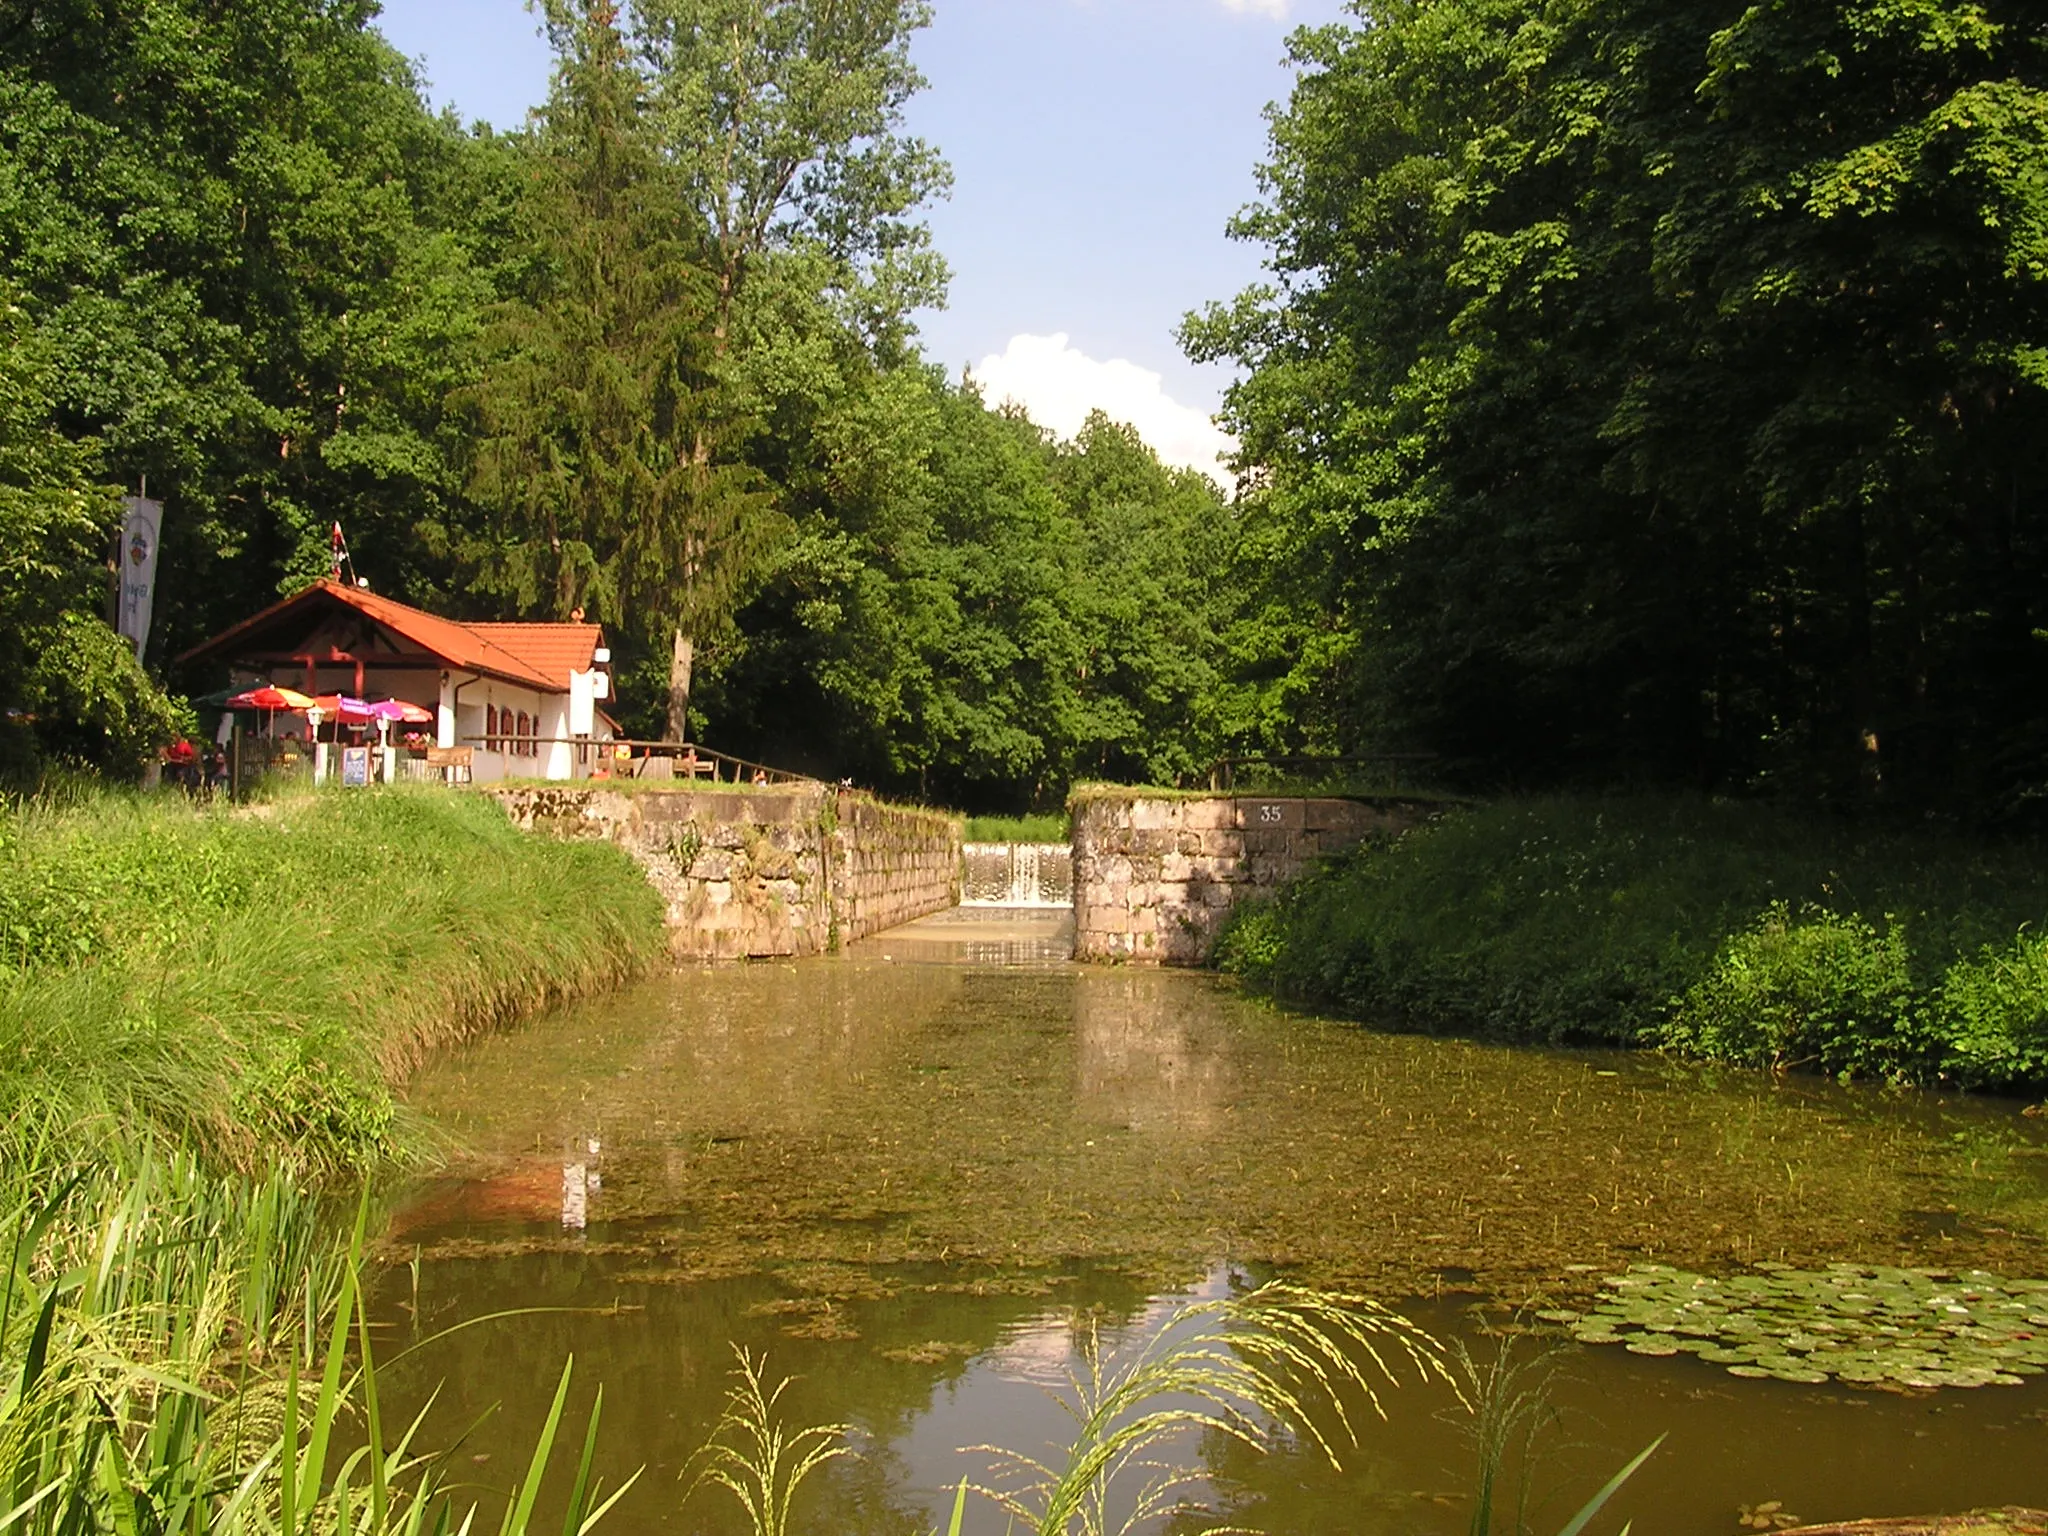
(537, 655)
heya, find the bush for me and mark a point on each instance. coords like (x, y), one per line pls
(1727, 930)
(1045, 827)
(1993, 1015)
(1820, 990)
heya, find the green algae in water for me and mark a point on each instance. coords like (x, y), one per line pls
(1863, 1325)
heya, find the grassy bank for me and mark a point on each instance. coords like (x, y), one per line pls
(1045, 827)
(1725, 931)
(250, 985)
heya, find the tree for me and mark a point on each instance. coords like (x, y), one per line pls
(72, 688)
(598, 391)
(1647, 390)
(780, 120)
(255, 261)
(983, 614)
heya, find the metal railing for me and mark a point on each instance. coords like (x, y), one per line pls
(672, 760)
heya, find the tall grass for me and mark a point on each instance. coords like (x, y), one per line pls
(184, 1355)
(249, 984)
(204, 1012)
(1276, 1361)
(1273, 1367)
(1732, 931)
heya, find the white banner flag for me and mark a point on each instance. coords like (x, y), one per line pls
(139, 529)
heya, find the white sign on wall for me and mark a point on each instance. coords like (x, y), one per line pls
(141, 521)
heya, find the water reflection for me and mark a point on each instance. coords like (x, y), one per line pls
(915, 1173)
(935, 1365)
(1143, 1062)
(884, 1107)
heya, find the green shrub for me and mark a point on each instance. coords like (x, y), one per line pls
(1672, 921)
(1046, 827)
(1992, 1012)
(1252, 941)
(1820, 990)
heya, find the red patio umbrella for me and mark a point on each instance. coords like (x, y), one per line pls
(270, 698)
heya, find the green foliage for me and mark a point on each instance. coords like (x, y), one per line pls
(182, 1355)
(250, 984)
(73, 690)
(1821, 990)
(255, 261)
(599, 405)
(1723, 930)
(1014, 829)
(1652, 392)
(1001, 615)
(1992, 1009)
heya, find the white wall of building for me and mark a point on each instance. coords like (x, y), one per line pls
(548, 751)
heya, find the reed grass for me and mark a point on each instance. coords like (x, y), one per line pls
(184, 1355)
(1279, 1366)
(756, 1457)
(1276, 1361)
(251, 983)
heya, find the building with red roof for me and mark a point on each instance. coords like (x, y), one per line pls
(523, 698)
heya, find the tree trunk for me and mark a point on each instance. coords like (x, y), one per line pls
(680, 657)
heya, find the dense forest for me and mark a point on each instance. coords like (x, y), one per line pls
(1650, 392)
(651, 357)
(1656, 391)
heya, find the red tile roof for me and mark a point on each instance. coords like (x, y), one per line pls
(538, 655)
(554, 650)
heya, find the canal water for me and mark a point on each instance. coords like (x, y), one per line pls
(918, 1176)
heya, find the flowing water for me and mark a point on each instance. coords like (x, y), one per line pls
(919, 1174)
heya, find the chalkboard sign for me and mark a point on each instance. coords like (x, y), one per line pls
(355, 767)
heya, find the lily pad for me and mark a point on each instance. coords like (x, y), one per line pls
(1864, 1325)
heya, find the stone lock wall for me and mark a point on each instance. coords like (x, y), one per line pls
(891, 863)
(1155, 875)
(793, 870)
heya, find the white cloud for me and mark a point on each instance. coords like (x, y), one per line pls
(1058, 385)
(1277, 9)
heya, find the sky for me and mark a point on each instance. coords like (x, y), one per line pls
(1098, 149)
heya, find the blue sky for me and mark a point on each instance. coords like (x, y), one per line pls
(1098, 147)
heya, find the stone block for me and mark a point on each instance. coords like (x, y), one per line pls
(1223, 844)
(1152, 815)
(712, 864)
